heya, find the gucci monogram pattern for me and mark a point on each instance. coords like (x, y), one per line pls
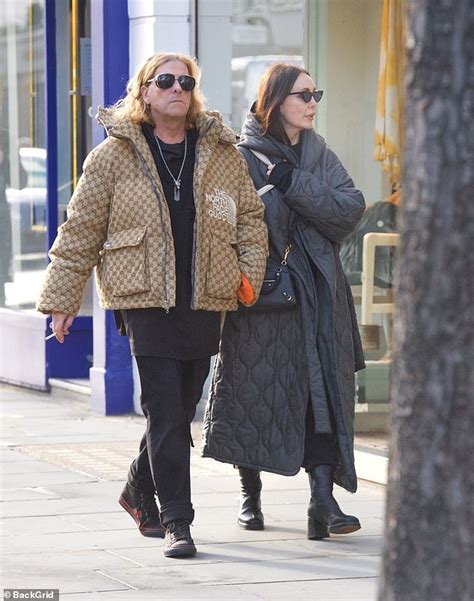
(125, 262)
(118, 221)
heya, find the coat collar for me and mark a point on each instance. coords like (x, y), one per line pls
(313, 145)
(209, 124)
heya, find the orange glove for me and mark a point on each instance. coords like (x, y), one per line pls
(245, 293)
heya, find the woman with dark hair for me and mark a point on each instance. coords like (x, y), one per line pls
(283, 389)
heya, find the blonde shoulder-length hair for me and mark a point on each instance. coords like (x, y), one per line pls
(133, 108)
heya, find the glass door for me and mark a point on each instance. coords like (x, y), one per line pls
(22, 153)
(345, 51)
(74, 103)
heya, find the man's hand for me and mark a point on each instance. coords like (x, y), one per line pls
(60, 325)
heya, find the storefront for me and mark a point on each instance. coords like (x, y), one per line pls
(63, 58)
(50, 87)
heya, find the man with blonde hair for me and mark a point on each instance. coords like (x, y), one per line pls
(167, 213)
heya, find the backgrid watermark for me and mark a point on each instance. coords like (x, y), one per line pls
(51, 594)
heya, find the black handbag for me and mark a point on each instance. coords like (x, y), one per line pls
(278, 290)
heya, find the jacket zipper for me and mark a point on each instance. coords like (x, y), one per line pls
(157, 194)
(193, 256)
(201, 135)
(147, 173)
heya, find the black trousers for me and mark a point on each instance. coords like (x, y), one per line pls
(319, 448)
(171, 390)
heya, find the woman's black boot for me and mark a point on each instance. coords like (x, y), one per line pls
(250, 506)
(324, 514)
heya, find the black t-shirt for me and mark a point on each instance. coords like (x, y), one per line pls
(182, 333)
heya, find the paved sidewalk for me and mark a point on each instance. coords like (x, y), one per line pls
(62, 470)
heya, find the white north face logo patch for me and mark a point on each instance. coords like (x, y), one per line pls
(222, 206)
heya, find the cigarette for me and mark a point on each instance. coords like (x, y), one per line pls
(50, 336)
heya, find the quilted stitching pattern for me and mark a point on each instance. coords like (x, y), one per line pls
(269, 363)
(255, 417)
(120, 194)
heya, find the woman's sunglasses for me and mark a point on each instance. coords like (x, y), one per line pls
(306, 95)
(166, 81)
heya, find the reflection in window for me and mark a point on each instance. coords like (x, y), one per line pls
(348, 50)
(263, 32)
(22, 153)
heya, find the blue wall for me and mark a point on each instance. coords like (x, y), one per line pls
(111, 375)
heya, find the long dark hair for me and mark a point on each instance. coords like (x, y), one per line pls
(275, 85)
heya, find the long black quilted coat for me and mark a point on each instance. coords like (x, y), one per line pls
(271, 364)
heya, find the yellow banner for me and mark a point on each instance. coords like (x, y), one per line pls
(389, 122)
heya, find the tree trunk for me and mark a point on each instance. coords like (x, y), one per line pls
(429, 546)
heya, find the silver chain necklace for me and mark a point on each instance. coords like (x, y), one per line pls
(177, 180)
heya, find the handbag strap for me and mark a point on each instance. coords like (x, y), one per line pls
(262, 157)
(261, 191)
(264, 189)
(289, 243)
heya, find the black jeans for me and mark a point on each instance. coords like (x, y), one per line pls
(171, 390)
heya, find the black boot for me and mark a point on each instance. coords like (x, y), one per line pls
(142, 507)
(324, 514)
(250, 507)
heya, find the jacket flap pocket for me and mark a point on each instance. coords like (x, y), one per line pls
(124, 238)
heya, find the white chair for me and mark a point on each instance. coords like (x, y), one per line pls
(371, 300)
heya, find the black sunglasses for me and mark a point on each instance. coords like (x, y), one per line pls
(166, 81)
(306, 95)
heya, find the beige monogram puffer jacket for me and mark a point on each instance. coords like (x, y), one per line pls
(118, 221)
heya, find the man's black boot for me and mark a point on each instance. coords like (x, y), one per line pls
(250, 506)
(324, 514)
(142, 507)
(178, 540)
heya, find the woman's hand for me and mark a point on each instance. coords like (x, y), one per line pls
(61, 322)
(280, 175)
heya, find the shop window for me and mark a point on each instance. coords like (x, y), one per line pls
(22, 153)
(346, 47)
(23, 150)
(263, 32)
(338, 41)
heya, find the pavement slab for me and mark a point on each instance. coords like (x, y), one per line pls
(62, 469)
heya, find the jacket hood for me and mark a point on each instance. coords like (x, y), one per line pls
(212, 122)
(253, 138)
(207, 123)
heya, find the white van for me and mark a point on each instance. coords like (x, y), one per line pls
(246, 73)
